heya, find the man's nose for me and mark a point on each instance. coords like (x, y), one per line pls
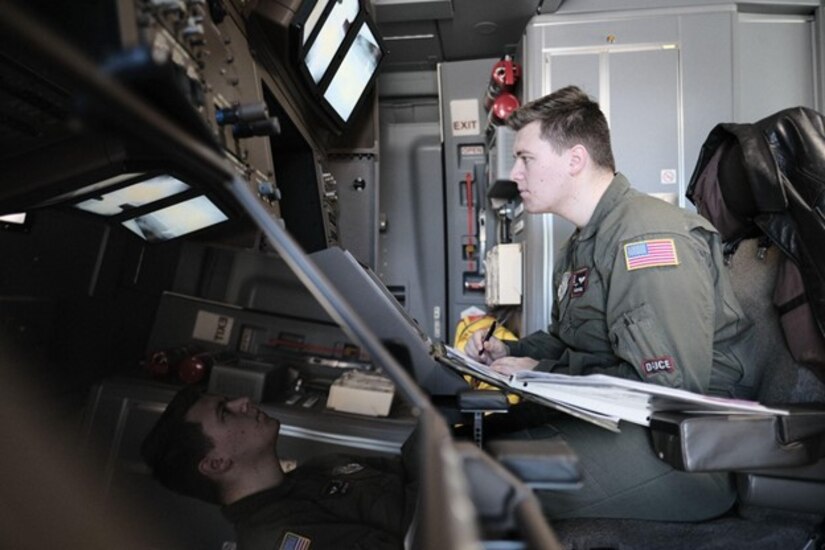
(239, 405)
(515, 171)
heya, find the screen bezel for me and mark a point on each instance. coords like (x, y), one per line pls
(301, 49)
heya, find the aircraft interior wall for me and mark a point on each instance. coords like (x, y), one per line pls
(412, 205)
(395, 207)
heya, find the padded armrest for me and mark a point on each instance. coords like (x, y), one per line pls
(704, 443)
(802, 423)
(547, 464)
(482, 400)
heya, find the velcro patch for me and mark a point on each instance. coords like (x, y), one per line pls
(665, 363)
(578, 282)
(650, 253)
(336, 487)
(293, 541)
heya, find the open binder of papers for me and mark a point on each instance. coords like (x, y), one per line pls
(601, 399)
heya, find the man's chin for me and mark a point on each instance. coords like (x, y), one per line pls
(533, 208)
(269, 422)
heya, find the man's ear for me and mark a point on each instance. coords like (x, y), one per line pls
(579, 156)
(214, 466)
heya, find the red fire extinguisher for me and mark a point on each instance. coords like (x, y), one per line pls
(503, 79)
(503, 107)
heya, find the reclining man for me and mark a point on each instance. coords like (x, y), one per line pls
(224, 451)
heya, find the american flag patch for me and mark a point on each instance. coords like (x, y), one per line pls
(294, 542)
(652, 253)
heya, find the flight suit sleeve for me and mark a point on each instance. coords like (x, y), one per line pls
(539, 345)
(660, 318)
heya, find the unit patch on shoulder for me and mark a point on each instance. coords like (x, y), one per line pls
(665, 363)
(347, 469)
(650, 253)
(578, 282)
(292, 541)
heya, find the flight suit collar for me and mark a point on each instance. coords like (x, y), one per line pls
(248, 505)
(612, 195)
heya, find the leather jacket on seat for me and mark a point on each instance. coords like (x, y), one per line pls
(769, 177)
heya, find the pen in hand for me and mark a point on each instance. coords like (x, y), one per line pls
(487, 337)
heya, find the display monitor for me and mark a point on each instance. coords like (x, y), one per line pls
(331, 34)
(18, 218)
(16, 221)
(312, 19)
(176, 220)
(134, 195)
(355, 72)
(154, 206)
(338, 50)
(97, 187)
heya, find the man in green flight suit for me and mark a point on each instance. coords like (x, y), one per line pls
(641, 292)
(224, 451)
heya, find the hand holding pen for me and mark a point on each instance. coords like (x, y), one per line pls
(487, 337)
(486, 348)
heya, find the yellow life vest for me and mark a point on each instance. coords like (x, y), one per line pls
(464, 331)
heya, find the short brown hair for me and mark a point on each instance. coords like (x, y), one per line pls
(568, 116)
(175, 447)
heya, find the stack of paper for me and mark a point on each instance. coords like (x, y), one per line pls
(601, 399)
(361, 393)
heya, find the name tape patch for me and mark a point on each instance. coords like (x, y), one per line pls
(650, 253)
(656, 365)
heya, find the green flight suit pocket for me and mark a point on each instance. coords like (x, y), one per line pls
(637, 341)
(582, 324)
